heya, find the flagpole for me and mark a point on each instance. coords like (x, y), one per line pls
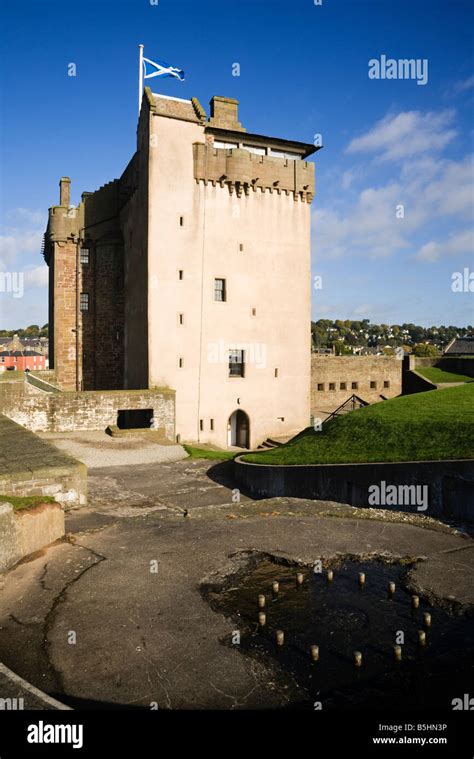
(140, 78)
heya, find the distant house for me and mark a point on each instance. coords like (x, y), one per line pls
(21, 360)
(460, 346)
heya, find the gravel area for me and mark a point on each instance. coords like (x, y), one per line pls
(96, 449)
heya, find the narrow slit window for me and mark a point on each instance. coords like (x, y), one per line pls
(220, 290)
(211, 424)
(236, 363)
(181, 319)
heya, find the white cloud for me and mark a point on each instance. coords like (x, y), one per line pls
(431, 189)
(27, 216)
(463, 242)
(21, 237)
(406, 134)
(36, 277)
(464, 84)
(16, 245)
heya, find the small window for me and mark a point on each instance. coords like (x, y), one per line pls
(386, 383)
(281, 418)
(373, 385)
(241, 247)
(211, 424)
(84, 301)
(320, 386)
(219, 290)
(354, 385)
(84, 255)
(236, 363)
(181, 221)
(332, 385)
(276, 372)
(254, 312)
(201, 424)
(343, 386)
(181, 318)
(180, 274)
(181, 363)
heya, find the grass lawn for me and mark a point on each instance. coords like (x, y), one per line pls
(20, 503)
(433, 374)
(209, 453)
(438, 424)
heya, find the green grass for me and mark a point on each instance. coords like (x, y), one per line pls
(20, 503)
(438, 424)
(208, 453)
(433, 374)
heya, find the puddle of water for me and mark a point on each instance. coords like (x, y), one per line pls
(341, 617)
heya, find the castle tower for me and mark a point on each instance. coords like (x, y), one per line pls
(229, 293)
(197, 274)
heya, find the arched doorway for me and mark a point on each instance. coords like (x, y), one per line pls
(238, 429)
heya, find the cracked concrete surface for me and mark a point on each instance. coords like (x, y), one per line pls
(145, 637)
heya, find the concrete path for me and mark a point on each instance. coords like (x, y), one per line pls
(96, 449)
(89, 618)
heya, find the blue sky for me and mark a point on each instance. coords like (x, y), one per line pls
(303, 71)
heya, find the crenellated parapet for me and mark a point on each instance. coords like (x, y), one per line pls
(244, 172)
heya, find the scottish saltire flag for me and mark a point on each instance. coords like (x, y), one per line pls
(161, 69)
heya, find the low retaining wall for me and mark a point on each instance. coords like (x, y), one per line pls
(450, 483)
(88, 410)
(415, 383)
(30, 466)
(455, 364)
(26, 531)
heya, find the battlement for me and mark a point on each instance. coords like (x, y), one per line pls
(242, 171)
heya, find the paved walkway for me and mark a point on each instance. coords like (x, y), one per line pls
(96, 449)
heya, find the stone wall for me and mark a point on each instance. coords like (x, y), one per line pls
(453, 364)
(26, 531)
(31, 466)
(335, 378)
(89, 410)
(450, 483)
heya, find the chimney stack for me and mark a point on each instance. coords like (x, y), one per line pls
(65, 192)
(224, 114)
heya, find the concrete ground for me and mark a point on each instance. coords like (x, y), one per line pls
(97, 449)
(89, 620)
